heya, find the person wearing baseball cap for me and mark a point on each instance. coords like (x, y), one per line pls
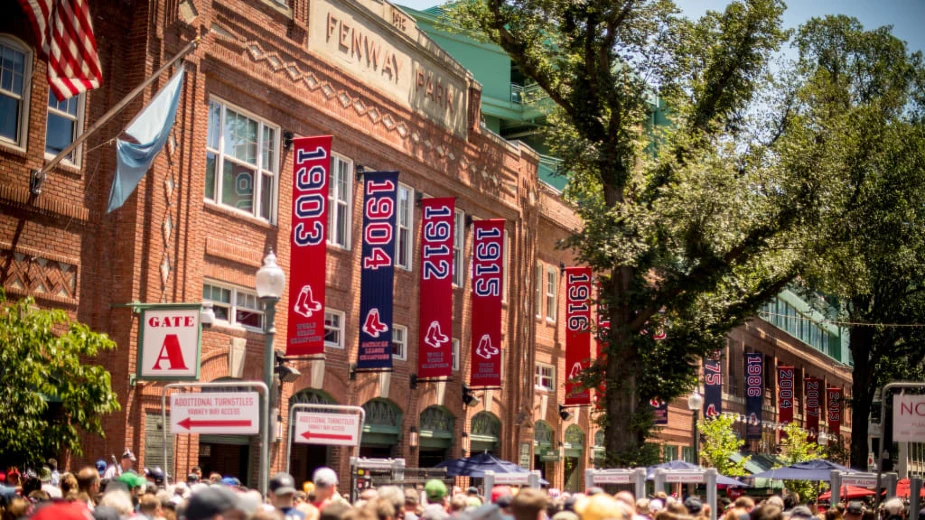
(128, 461)
(325, 480)
(854, 510)
(282, 493)
(214, 502)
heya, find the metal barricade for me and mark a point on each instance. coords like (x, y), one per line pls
(636, 477)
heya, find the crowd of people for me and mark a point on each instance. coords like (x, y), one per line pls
(118, 491)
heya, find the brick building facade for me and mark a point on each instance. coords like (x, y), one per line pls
(201, 220)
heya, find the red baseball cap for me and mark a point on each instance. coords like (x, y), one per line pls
(63, 511)
(500, 491)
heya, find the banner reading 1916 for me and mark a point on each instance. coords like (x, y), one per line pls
(713, 385)
(785, 396)
(435, 350)
(311, 163)
(577, 333)
(754, 394)
(378, 270)
(487, 275)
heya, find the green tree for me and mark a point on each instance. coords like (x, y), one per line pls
(50, 397)
(796, 447)
(868, 88)
(720, 443)
(693, 238)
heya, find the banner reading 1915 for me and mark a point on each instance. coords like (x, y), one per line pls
(487, 276)
(435, 349)
(378, 270)
(713, 385)
(311, 162)
(577, 333)
(754, 393)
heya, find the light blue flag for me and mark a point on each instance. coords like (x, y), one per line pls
(150, 129)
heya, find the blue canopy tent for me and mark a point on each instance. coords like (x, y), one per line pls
(721, 480)
(476, 466)
(818, 469)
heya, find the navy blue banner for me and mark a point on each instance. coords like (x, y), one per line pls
(660, 409)
(754, 394)
(713, 385)
(378, 269)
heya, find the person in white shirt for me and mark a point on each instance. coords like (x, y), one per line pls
(128, 461)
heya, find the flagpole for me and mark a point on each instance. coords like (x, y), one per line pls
(38, 176)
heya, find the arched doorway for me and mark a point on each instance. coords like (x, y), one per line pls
(305, 458)
(543, 449)
(436, 438)
(574, 457)
(486, 434)
(382, 431)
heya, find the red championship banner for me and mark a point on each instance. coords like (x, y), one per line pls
(487, 267)
(577, 332)
(311, 161)
(835, 410)
(784, 396)
(435, 349)
(813, 396)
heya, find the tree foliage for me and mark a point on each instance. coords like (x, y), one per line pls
(693, 238)
(797, 448)
(50, 396)
(720, 443)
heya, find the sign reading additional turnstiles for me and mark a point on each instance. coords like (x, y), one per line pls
(909, 418)
(217, 413)
(340, 429)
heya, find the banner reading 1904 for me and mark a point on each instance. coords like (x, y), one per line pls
(487, 276)
(435, 349)
(577, 332)
(311, 164)
(378, 270)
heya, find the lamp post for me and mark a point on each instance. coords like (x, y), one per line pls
(694, 404)
(270, 282)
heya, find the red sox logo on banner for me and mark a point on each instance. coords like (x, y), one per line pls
(435, 350)
(311, 164)
(834, 408)
(577, 332)
(487, 275)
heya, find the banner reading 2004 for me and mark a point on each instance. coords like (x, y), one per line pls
(487, 273)
(577, 332)
(311, 164)
(378, 270)
(435, 349)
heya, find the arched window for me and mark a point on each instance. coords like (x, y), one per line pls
(15, 80)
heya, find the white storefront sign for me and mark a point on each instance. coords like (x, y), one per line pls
(169, 345)
(340, 429)
(909, 418)
(217, 413)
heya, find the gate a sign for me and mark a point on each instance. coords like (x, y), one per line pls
(168, 346)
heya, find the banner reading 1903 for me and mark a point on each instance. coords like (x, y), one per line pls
(577, 332)
(487, 276)
(435, 349)
(311, 164)
(378, 270)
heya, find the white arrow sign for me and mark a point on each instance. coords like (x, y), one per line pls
(218, 413)
(340, 429)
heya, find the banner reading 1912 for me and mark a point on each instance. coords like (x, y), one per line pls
(435, 350)
(487, 275)
(577, 333)
(713, 385)
(378, 270)
(311, 164)
(754, 393)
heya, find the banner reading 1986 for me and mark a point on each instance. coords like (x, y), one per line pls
(577, 332)
(311, 164)
(754, 393)
(487, 273)
(435, 349)
(378, 270)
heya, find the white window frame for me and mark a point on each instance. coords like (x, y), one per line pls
(342, 319)
(21, 140)
(406, 246)
(506, 263)
(552, 301)
(539, 377)
(259, 171)
(78, 128)
(459, 248)
(399, 330)
(456, 354)
(232, 320)
(342, 199)
(539, 279)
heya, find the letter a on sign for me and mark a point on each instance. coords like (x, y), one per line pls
(168, 343)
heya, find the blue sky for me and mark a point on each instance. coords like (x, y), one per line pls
(906, 16)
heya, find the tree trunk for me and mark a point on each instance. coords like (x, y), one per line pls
(861, 393)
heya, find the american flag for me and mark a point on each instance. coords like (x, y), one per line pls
(66, 33)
